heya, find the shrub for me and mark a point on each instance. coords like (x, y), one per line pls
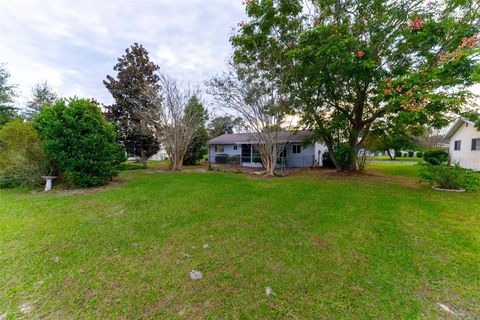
(450, 177)
(131, 166)
(79, 144)
(398, 154)
(419, 154)
(221, 158)
(410, 154)
(344, 156)
(436, 157)
(327, 161)
(235, 160)
(21, 156)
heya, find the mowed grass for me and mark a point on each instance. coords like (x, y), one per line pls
(379, 246)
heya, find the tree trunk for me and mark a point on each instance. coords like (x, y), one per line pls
(177, 163)
(143, 159)
(331, 154)
(392, 157)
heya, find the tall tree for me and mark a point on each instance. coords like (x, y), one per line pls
(136, 74)
(197, 148)
(223, 125)
(172, 117)
(42, 94)
(262, 108)
(357, 62)
(7, 94)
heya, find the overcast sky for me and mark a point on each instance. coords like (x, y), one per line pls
(74, 44)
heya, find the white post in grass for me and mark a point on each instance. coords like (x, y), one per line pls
(48, 182)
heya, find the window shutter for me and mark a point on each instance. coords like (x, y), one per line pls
(474, 144)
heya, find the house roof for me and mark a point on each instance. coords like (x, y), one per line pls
(237, 138)
(456, 125)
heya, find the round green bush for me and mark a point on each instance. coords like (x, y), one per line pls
(419, 154)
(410, 154)
(398, 154)
(436, 157)
(79, 144)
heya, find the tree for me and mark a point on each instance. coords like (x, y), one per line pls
(387, 135)
(223, 125)
(262, 108)
(172, 117)
(197, 148)
(79, 144)
(42, 94)
(7, 94)
(136, 75)
(355, 62)
(21, 155)
(430, 139)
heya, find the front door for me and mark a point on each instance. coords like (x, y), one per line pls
(246, 153)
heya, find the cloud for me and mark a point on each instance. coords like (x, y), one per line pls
(74, 44)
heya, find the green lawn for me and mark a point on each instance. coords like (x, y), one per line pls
(378, 246)
(400, 159)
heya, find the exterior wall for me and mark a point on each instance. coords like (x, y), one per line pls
(304, 159)
(227, 149)
(159, 156)
(465, 157)
(320, 149)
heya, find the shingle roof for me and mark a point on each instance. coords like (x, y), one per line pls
(284, 136)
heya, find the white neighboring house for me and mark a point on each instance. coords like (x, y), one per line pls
(161, 155)
(464, 144)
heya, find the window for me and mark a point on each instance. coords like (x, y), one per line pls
(476, 144)
(457, 145)
(218, 148)
(235, 148)
(296, 149)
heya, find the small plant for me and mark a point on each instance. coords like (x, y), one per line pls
(221, 158)
(327, 161)
(436, 157)
(450, 177)
(398, 154)
(344, 156)
(419, 154)
(410, 154)
(235, 160)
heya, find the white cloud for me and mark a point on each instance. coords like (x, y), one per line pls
(74, 44)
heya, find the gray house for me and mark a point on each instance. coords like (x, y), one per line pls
(239, 148)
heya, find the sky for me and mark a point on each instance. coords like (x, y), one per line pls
(73, 45)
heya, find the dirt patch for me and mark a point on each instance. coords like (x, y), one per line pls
(319, 242)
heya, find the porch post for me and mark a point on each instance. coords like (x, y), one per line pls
(251, 153)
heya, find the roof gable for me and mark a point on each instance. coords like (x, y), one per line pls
(457, 125)
(284, 136)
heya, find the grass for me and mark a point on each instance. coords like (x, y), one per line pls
(379, 246)
(399, 159)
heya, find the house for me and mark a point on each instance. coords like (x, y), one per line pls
(161, 155)
(239, 148)
(464, 144)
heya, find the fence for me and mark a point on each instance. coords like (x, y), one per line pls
(256, 161)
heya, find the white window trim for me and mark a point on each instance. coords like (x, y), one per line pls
(299, 149)
(455, 145)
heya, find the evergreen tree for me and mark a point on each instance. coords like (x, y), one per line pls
(136, 76)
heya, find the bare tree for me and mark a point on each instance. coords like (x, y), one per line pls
(430, 139)
(171, 118)
(262, 108)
